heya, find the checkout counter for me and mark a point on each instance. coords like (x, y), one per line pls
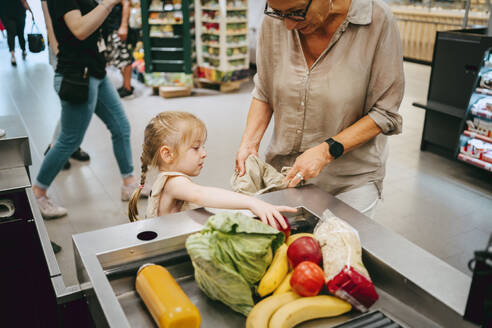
(416, 289)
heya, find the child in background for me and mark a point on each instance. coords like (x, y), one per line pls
(174, 143)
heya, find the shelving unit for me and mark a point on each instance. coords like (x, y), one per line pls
(168, 29)
(222, 41)
(475, 146)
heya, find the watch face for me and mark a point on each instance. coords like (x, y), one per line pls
(336, 149)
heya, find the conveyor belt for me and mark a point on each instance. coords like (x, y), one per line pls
(375, 319)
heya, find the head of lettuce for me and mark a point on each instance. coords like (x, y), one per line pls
(230, 256)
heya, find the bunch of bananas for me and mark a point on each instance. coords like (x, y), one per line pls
(285, 308)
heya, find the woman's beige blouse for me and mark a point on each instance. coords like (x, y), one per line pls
(360, 73)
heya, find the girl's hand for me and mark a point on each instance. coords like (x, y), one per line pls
(270, 214)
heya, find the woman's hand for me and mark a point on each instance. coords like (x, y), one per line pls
(309, 164)
(123, 32)
(241, 156)
(270, 214)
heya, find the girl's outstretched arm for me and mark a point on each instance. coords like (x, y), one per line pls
(182, 188)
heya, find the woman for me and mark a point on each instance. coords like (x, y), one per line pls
(13, 15)
(330, 72)
(76, 24)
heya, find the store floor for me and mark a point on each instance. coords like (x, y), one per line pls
(441, 205)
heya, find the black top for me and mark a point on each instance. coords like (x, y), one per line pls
(113, 21)
(12, 8)
(75, 54)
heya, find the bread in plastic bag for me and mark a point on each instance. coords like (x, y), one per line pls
(345, 274)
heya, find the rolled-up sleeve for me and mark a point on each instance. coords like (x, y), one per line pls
(260, 90)
(387, 85)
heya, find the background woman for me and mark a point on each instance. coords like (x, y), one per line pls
(76, 24)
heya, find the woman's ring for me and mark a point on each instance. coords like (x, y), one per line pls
(299, 175)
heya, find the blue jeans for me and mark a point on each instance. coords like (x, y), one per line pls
(75, 118)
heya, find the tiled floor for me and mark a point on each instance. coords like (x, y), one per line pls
(439, 204)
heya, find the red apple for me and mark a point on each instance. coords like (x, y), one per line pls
(307, 279)
(304, 249)
(286, 231)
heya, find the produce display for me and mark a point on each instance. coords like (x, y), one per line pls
(165, 300)
(238, 259)
(345, 273)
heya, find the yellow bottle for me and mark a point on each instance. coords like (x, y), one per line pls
(165, 300)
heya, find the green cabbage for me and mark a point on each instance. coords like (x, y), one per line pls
(230, 255)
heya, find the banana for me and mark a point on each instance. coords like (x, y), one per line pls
(292, 238)
(262, 311)
(275, 273)
(308, 308)
(284, 286)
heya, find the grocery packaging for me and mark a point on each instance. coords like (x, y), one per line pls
(345, 273)
(304, 249)
(261, 313)
(230, 256)
(165, 300)
(307, 279)
(307, 308)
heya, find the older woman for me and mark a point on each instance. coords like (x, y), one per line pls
(330, 72)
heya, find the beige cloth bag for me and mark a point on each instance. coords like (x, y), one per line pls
(260, 177)
(155, 197)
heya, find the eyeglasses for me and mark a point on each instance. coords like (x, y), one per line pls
(298, 15)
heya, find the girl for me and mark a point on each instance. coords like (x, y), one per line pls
(173, 142)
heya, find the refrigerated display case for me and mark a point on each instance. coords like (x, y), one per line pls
(475, 146)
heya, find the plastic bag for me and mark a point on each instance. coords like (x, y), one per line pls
(345, 274)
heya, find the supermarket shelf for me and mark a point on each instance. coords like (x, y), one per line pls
(167, 61)
(211, 56)
(233, 57)
(163, 36)
(170, 37)
(481, 113)
(166, 49)
(228, 8)
(231, 21)
(227, 33)
(475, 161)
(163, 22)
(477, 136)
(484, 91)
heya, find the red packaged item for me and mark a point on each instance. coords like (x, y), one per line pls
(351, 286)
(345, 274)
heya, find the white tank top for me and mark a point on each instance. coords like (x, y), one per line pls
(157, 190)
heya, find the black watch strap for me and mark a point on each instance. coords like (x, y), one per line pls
(336, 148)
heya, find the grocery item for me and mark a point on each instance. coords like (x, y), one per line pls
(276, 272)
(284, 286)
(345, 273)
(304, 249)
(230, 255)
(261, 313)
(307, 279)
(165, 300)
(292, 238)
(308, 308)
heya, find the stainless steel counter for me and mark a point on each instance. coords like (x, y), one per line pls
(14, 146)
(415, 287)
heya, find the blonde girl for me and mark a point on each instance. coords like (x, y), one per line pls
(174, 143)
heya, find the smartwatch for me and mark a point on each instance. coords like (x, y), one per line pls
(336, 148)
